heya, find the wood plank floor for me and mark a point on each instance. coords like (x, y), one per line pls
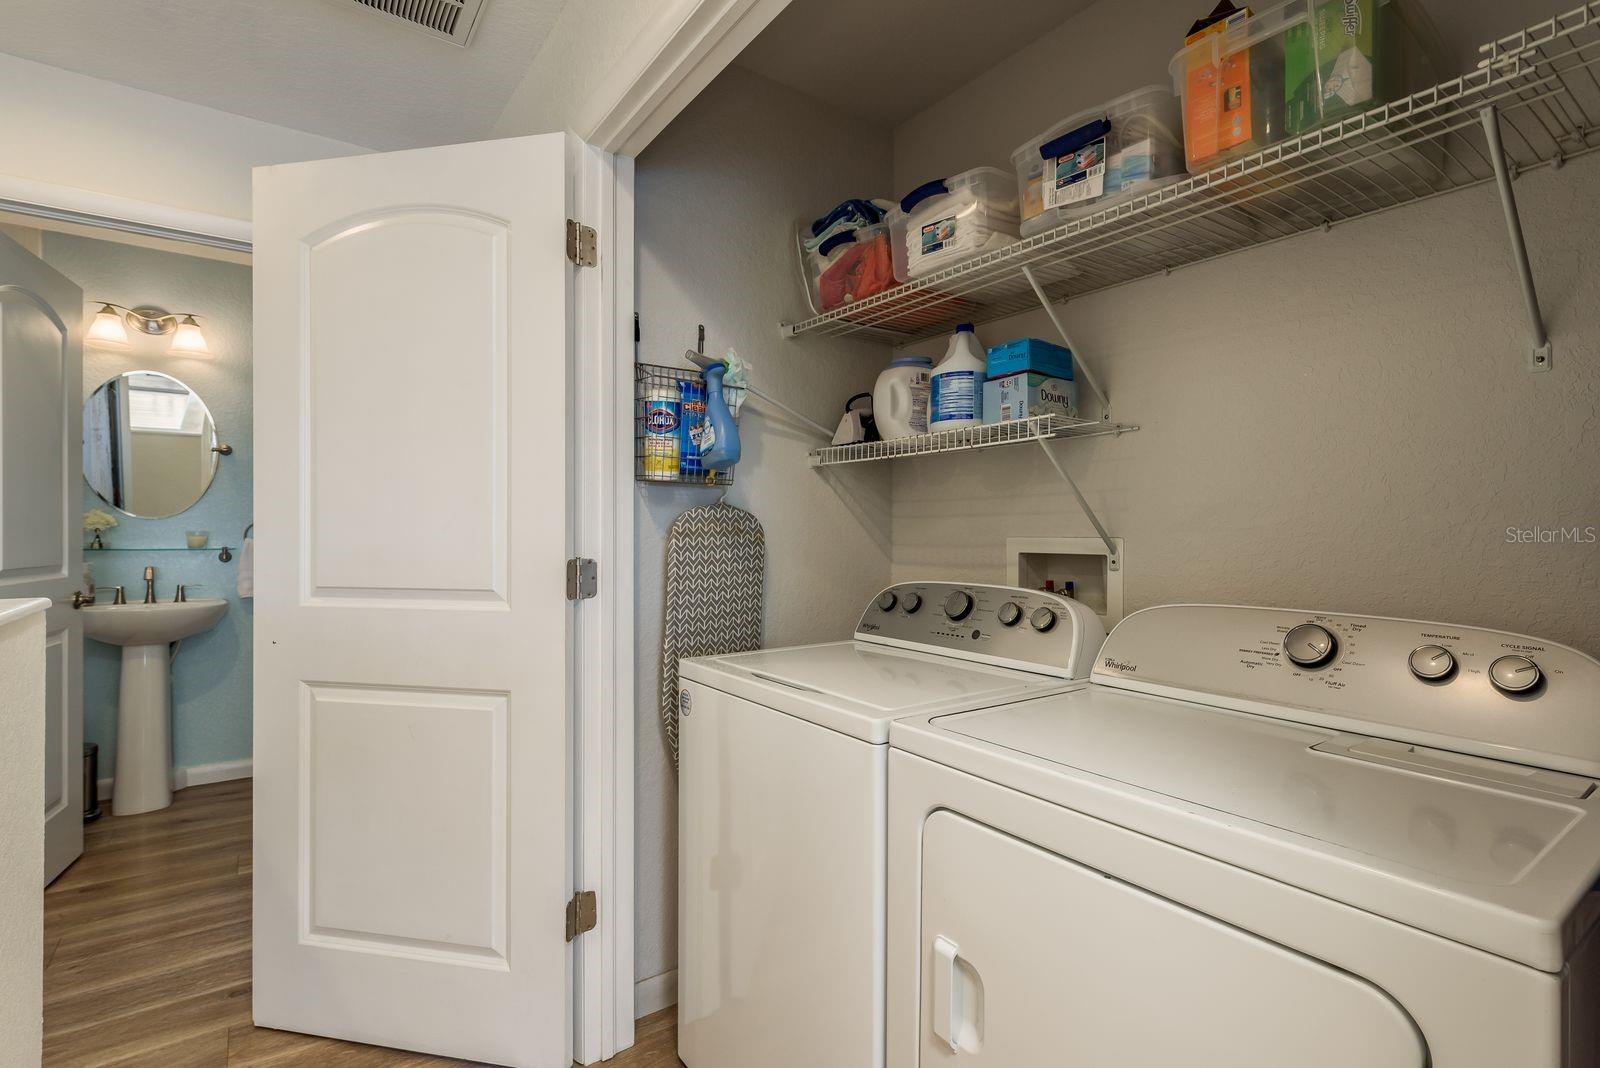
(147, 952)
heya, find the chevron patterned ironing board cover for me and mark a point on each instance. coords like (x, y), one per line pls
(716, 567)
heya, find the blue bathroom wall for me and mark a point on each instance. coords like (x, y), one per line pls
(211, 679)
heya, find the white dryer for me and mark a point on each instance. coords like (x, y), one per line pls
(1258, 839)
(782, 810)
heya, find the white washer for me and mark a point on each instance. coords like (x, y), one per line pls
(1259, 838)
(782, 803)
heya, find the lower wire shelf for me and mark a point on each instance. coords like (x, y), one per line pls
(987, 436)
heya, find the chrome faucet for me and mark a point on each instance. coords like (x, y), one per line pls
(149, 585)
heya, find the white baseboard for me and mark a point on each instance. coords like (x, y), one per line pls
(195, 775)
(655, 993)
(201, 774)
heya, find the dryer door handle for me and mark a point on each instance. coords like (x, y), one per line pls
(957, 999)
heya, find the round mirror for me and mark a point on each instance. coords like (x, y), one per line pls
(149, 444)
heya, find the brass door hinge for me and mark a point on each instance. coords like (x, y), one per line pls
(583, 912)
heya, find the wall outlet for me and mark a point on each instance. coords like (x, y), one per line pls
(1084, 562)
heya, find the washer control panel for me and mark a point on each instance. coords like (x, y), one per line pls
(1491, 693)
(1030, 629)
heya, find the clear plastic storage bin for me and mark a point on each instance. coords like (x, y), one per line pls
(1099, 157)
(1248, 82)
(848, 267)
(951, 219)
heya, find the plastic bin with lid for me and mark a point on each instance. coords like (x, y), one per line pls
(1249, 81)
(1099, 157)
(846, 266)
(952, 219)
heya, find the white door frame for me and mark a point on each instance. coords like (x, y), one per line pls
(685, 45)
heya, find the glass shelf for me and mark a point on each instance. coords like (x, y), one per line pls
(224, 553)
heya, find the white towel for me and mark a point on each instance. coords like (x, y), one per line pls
(247, 568)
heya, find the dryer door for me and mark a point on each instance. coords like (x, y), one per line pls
(1031, 959)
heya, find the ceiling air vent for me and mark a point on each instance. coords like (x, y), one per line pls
(452, 20)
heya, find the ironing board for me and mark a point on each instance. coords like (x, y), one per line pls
(716, 566)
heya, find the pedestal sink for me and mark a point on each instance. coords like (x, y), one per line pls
(144, 710)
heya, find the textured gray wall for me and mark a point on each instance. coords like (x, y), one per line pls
(717, 197)
(1341, 421)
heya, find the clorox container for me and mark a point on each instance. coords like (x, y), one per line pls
(957, 398)
(661, 435)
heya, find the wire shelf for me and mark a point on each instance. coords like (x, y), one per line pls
(987, 436)
(667, 457)
(1542, 81)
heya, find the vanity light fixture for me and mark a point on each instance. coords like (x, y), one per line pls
(112, 322)
(107, 328)
(187, 340)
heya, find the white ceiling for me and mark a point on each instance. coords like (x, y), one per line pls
(329, 67)
(886, 60)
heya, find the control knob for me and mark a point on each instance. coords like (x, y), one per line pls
(1043, 619)
(911, 603)
(1432, 663)
(1310, 645)
(958, 605)
(887, 601)
(1514, 674)
(1010, 614)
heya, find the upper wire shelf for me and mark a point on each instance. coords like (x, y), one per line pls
(1542, 82)
(988, 435)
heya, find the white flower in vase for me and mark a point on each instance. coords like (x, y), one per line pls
(97, 520)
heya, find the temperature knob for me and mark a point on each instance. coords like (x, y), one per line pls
(1310, 645)
(887, 601)
(1432, 663)
(1010, 614)
(958, 605)
(912, 602)
(1515, 674)
(1043, 619)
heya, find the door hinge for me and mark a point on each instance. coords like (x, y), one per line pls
(583, 579)
(583, 912)
(582, 244)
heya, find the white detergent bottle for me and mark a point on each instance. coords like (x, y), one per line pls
(957, 399)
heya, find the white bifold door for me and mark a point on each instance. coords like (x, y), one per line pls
(414, 334)
(41, 502)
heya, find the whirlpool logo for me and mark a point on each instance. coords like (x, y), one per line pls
(1118, 665)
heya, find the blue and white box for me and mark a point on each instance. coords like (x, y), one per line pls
(1030, 354)
(1025, 395)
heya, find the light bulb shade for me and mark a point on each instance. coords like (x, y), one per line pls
(187, 340)
(107, 328)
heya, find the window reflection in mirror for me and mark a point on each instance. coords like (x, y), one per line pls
(149, 444)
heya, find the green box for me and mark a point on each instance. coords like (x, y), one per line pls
(1332, 63)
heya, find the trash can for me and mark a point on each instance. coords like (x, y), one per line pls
(91, 782)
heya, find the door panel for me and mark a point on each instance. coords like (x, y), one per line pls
(1029, 958)
(412, 830)
(41, 554)
(446, 418)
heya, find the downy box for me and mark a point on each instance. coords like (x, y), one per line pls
(1025, 395)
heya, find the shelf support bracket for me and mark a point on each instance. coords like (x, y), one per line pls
(1539, 355)
(1113, 561)
(1077, 359)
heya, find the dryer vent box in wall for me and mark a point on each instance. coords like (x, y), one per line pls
(452, 20)
(1084, 562)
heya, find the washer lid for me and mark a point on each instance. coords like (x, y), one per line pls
(1495, 855)
(859, 687)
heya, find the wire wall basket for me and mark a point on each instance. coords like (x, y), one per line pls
(669, 403)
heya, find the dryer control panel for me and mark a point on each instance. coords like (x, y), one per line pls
(1489, 693)
(1004, 625)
